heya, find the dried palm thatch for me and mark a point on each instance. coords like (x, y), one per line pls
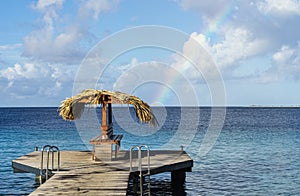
(72, 108)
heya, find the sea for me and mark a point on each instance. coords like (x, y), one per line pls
(250, 150)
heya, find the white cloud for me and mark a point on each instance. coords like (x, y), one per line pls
(230, 32)
(36, 80)
(56, 42)
(10, 47)
(207, 7)
(46, 43)
(283, 55)
(45, 4)
(285, 65)
(195, 60)
(199, 55)
(287, 62)
(9, 53)
(49, 8)
(27, 71)
(238, 44)
(96, 7)
(280, 7)
(261, 23)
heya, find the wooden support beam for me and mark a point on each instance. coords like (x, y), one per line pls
(104, 127)
(178, 177)
(109, 114)
(178, 182)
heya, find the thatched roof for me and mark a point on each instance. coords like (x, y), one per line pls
(72, 108)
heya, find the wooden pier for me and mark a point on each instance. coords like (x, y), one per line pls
(80, 175)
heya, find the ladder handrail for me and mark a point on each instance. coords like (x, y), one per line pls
(140, 169)
(51, 149)
(42, 163)
(58, 157)
(148, 156)
(131, 149)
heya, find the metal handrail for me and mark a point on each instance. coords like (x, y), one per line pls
(148, 157)
(131, 149)
(140, 169)
(42, 163)
(56, 149)
(51, 149)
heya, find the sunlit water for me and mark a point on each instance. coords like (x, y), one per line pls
(257, 152)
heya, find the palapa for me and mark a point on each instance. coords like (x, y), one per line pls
(72, 108)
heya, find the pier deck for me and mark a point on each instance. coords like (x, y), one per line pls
(79, 174)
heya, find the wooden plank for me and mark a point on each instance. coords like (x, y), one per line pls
(85, 181)
(115, 139)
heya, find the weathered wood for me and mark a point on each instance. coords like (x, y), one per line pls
(81, 175)
(113, 140)
(104, 127)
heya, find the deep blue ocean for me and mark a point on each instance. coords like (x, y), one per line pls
(256, 153)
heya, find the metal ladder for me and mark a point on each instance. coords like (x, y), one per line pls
(48, 149)
(140, 166)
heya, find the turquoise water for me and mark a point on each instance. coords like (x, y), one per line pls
(256, 153)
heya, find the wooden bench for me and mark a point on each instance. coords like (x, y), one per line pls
(113, 140)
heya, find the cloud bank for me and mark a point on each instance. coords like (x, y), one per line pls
(237, 34)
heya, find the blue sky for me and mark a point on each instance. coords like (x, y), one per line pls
(255, 46)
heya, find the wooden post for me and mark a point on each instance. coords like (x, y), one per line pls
(93, 151)
(109, 114)
(178, 177)
(177, 181)
(104, 127)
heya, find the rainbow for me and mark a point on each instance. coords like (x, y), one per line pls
(174, 77)
(220, 19)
